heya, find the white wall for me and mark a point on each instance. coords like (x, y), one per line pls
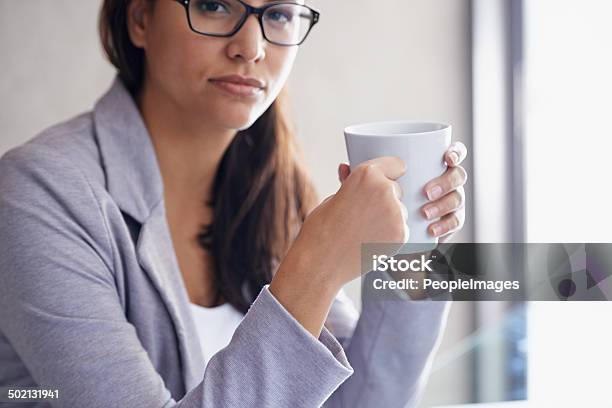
(52, 65)
(404, 59)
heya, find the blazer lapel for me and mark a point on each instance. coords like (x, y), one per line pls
(134, 181)
(157, 258)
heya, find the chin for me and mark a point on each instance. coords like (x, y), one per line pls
(239, 119)
(237, 122)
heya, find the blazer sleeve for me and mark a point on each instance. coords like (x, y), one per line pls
(391, 349)
(60, 310)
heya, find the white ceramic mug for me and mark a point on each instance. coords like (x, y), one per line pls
(421, 145)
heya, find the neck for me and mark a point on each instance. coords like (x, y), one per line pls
(188, 149)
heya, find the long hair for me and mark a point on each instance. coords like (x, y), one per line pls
(261, 193)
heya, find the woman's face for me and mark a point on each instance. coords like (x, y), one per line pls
(182, 64)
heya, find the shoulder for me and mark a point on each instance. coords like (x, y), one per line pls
(58, 153)
(49, 190)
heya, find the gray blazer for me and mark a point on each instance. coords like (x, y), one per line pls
(92, 301)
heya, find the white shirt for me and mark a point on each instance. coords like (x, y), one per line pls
(215, 326)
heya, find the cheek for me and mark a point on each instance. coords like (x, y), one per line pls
(280, 62)
(175, 55)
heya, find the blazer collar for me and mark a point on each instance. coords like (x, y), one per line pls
(133, 177)
(134, 181)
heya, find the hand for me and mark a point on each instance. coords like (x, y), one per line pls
(446, 196)
(450, 202)
(326, 254)
(366, 208)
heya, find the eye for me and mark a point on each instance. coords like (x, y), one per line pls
(279, 15)
(204, 6)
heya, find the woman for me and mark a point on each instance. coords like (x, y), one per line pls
(134, 238)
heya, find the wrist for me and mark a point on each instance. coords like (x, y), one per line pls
(307, 269)
(304, 289)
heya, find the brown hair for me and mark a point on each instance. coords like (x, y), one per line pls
(261, 192)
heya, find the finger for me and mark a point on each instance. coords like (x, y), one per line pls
(397, 189)
(455, 154)
(444, 184)
(343, 171)
(406, 233)
(404, 212)
(447, 224)
(391, 166)
(446, 237)
(405, 222)
(447, 204)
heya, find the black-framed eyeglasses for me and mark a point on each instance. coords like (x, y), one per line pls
(282, 23)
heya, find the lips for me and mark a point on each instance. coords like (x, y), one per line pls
(238, 85)
(237, 79)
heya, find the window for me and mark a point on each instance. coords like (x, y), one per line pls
(542, 144)
(568, 146)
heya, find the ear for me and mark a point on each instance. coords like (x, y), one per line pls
(138, 22)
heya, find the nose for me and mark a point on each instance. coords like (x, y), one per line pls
(248, 42)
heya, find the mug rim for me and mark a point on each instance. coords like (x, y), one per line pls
(361, 129)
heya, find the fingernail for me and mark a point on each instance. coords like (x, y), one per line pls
(434, 192)
(454, 157)
(436, 229)
(431, 212)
